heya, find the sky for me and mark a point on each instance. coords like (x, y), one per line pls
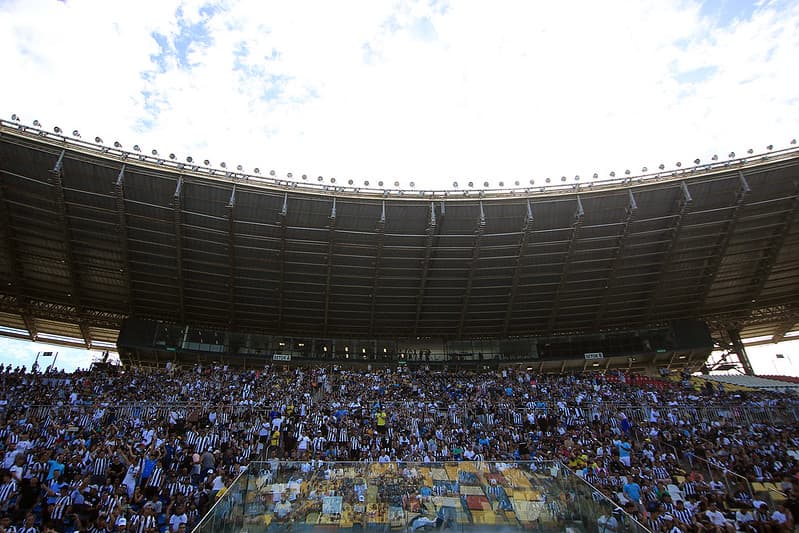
(427, 92)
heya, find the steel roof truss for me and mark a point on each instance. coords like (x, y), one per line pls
(381, 237)
(579, 215)
(478, 236)
(177, 213)
(432, 231)
(329, 264)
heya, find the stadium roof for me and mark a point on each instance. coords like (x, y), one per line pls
(91, 234)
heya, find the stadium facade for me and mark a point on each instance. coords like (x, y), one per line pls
(195, 263)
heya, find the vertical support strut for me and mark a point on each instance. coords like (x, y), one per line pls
(478, 236)
(575, 230)
(57, 180)
(284, 211)
(723, 241)
(381, 234)
(683, 205)
(632, 207)
(122, 232)
(330, 243)
(177, 212)
(432, 231)
(740, 351)
(524, 239)
(17, 272)
(231, 251)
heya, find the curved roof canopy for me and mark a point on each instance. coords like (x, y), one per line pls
(91, 234)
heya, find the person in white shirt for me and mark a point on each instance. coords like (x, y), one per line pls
(717, 519)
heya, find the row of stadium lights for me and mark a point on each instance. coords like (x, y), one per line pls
(381, 184)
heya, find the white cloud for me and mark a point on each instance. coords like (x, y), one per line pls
(424, 90)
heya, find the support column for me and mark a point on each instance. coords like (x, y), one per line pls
(740, 350)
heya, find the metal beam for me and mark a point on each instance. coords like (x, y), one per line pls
(432, 231)
(329, 266)
(57, 180)
(122, 233)
(17, 271)
(739, 349)
(478, 236)
(770, 255)
(579, 214)
(722, 243)
(177, 212)
(527, 231)
(231, 252)
(284, 211)
(683, 204)
(381, 237)
(632, 207)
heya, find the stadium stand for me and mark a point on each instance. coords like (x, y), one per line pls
(754, 382)
(460, 359)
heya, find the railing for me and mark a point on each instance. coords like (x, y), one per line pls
(463, 496)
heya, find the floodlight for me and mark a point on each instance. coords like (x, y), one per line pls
(678, 164)
(350, 182)
(366, 183)
(696, 161)
(75, 133)
(271, 172)
(396, 184)
(661, 166)
(532, 182)
(644, 169)
(172, 156)
(305, 176)
(206, 162)
(770, 147)
(516, 182)
(793, 141)
(731, 155)
(412, 184)
(136, 148)
(117, 144)
(239, 168)
(189, 159)
(501, 183)
(57, 129)
(627, 172)
(454, 184)
(15, 117)
(320, 178)
(332, 180)
(470, 184)
(154, 152)
(750, 151)
(223, 164)
(257, 170)
(576, 178)
(98, 140)
(715, 157)
(612, 173)
(37, 124)
(485, 184)
(547, 180)
(289, 175)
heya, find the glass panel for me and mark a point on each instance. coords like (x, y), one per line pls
(459, 496)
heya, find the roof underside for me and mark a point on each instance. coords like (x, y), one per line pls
(90, 237)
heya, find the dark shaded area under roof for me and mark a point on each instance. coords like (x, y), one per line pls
(91, 235)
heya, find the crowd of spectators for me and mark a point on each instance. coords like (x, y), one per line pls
(145, 450)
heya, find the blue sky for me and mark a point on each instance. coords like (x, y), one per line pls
(428, 91)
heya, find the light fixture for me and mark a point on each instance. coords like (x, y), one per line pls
(412, 184)
(332, 180)
(350, 182)
(516, 182)
(37, 124)
(454, 184)
(154, 152)
(715, 157)
(770, 147)
(223, 164)
(661, 166)
(136, 148)
(239, 168)
(271, 172)
(644, 169)
(470, 184)
(15, 117)
(731, 155)
(627, 172)
(501, 184)
(793, 141)
(189, 159)
(289, 175)
(563, 178)
(696, 161)
(547, 180)
(750, 151)
(76, 133)
(172, 156)
(98, 140)
(595, 176)
(257, 170)
(206, 162)
(678, 164)
(117, 144)
(485, 184)
(576, 178)
(396, 184)
(57, 129)
(379, 183)
(366, 183)
(532, 182)
(320, 178)
(612, 173)
(305, 176)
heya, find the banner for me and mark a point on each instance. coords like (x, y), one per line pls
(594, 355)
(281, 357)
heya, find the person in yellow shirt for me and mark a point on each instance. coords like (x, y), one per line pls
(381, 417)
